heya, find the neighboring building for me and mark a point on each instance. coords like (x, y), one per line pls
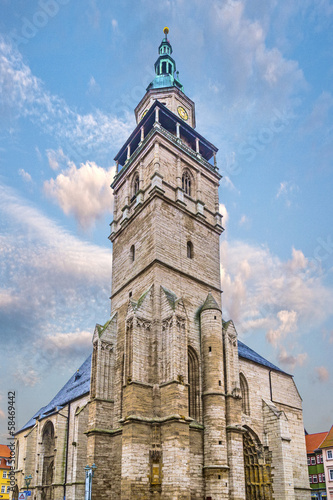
(5, 463)
(315, 465)
(327, 449)
(170, 405)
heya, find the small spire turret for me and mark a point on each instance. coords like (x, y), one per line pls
(165, 67)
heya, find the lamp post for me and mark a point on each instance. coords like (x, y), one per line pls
(27, 480)
(89, 475)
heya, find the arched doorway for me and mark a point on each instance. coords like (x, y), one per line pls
(257, 465)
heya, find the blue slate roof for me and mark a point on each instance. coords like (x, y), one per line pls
(77, 385)
(245, 352)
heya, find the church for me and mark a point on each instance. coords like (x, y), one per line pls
(170, 405)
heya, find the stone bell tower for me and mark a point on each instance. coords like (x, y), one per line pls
(159, 421)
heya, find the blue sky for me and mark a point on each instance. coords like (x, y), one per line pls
(71, 74)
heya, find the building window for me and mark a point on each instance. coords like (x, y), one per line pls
(245, 394)
(313, 461)
(186, 183)
(323, 475)
(314, 478)
(320, 478)
(132, 253)
(321, 459)
(309, 461)
(189, 250)
(310, 479)
(331, 474)
(318, 459)
(4, 474)
(3, 489)
(193, 385)
(329, 455)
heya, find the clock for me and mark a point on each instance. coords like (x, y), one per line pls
(143, 114)
(182, 113)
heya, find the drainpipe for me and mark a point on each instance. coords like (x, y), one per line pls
(270, 385)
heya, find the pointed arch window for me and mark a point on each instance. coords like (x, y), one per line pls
(186, 182)
(48, 453)
(193, 385)
(245, 394)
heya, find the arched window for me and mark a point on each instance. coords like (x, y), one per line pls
(136, 184)
(245, 394)
(193, 385)
(48, 450)
(189, 250)
(132, 253)
(186, 182)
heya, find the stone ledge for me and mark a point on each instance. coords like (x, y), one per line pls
(156, 420)
(216, 467)
(104, 431)
(236, 428)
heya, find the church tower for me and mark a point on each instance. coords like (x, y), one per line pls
(162, 424)
(171, 405)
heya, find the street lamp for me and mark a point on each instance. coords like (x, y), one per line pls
(89, 475)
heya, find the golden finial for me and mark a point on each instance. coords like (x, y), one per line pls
(166, 30)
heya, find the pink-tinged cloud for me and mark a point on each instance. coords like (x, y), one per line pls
(83, 192)
(322, 374)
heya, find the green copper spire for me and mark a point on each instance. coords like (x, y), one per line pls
(165, 67)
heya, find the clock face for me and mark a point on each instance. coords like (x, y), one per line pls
(182, 113)
(143, 114)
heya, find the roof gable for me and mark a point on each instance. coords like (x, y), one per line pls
(77, 385)
(313, 441)
(328, 441)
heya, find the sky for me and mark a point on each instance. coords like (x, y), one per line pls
(71, 74)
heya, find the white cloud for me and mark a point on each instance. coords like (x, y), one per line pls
(244, 43)
(93, 87)
(83, 192)
(56, 158)
(227, 183)
(286, 191)
(322, 374)
(244, 221)
(49, 277)
(283, 299)
(287, 324)
(23, 94)
(291, 361)
(28, 377)
(68, 344)
(223, 211)
(25, 175)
